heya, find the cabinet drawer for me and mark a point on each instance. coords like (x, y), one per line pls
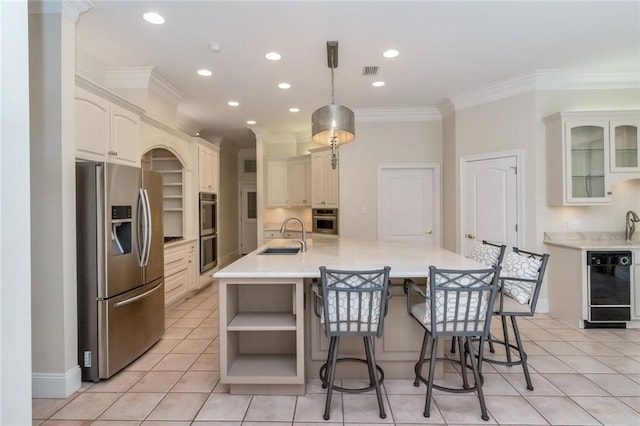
(175, 287)
(175, 261)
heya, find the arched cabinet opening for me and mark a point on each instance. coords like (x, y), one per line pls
(169, 166)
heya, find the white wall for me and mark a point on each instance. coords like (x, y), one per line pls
(228, 203)
(53, 226)
(15, 256)
(378, 143)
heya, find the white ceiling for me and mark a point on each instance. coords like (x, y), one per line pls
(447, 48)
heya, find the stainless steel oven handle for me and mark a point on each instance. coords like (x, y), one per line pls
(138, 297)
(325, 217)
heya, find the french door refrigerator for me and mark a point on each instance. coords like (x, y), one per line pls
(120, 255)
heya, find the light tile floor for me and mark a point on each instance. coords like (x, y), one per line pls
(581, 377)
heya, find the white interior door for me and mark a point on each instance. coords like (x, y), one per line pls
(409, 202)
(490, 201)
(248, 218)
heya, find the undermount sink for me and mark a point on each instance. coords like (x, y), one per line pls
(280, 250)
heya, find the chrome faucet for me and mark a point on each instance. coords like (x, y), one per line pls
(283, 228)
(630, 225)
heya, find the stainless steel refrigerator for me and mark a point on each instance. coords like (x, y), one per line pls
(120, 254)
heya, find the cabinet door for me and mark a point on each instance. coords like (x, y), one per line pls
(635, 286)
(317, 180)
(92, 126)
(124, 136)
(331, 183)
(587, 157)
(203, 174)
(625, 155)
(277, 191)
(297, 180)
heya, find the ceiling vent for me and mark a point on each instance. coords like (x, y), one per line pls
(370, 70)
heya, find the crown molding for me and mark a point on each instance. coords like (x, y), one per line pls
(547, 80)
(72, 9)
(143, 78)
(93, 87)
(387, 115)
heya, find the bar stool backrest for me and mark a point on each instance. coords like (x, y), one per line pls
(459, 301)
(354, 302)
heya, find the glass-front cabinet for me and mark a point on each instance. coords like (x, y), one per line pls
(588, 152)
(625, 155)
(587, 161)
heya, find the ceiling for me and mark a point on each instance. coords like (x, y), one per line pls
(447, 48)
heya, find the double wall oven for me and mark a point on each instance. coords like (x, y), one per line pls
(325, 221)
(208, 231)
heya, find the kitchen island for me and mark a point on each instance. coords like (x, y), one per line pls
(270, 338)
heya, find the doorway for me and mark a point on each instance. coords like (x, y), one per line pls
(248, 218)
(490, 199)
(409, 203)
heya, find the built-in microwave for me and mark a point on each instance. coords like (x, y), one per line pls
(325, 221)
(208, 204)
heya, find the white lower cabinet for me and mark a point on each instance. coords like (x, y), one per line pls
(262, 335)
(180, 275)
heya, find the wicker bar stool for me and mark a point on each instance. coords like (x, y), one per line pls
(354, 304)
(456, 303)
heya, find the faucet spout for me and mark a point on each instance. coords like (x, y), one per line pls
(630, 224)
(283, 228)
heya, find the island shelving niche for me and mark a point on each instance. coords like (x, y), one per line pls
(261, 336)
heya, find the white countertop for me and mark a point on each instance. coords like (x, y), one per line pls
(591, 240)
(406, 259)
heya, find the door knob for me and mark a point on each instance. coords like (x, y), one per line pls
(429, 232)
(470, 236)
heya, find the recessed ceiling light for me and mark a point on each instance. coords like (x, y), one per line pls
(251, 122)
(294, 109)
(233, 103)
(391, 53)
(284, 85)
(378, 83)
(205, 73)
(273, 56)
(153, 18)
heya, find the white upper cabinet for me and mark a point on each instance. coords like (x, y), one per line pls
(105, 131)
(299, 181)
(324, 180)
(625, 155)
(208, 169)
(587, 152)
(277, 184)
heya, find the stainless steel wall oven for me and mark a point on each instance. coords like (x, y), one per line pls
(208, 231)
(325, 221)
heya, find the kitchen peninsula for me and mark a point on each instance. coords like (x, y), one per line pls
(270, 338)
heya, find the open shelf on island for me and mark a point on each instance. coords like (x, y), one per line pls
(255, 366)
(274, 321)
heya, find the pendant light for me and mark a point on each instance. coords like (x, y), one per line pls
(333, 124)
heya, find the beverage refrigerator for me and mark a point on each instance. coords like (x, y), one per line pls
(120, 265)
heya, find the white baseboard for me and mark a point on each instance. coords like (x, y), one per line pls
(56, 385)
(542, 306)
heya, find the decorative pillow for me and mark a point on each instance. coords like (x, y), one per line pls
(485, 253)
(518, 266)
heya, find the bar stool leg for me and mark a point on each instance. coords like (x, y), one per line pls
(463, 367)
(505, 331)
(323, 377)
(432, 369)
(478, 380)
(523, 354)
(373, 374)
(423, 351)
(331, 374)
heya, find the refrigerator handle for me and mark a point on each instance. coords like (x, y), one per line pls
(142, 218)
(147, 210)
